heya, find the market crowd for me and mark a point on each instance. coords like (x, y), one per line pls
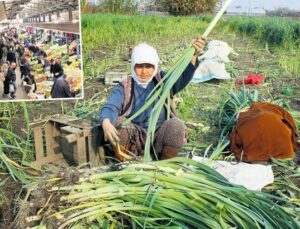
(14, 54)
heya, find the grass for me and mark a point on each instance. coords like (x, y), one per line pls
(107, 35)
(273, 30)
(279, 33)
(110, 35)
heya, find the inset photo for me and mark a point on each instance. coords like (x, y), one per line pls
(40, 50)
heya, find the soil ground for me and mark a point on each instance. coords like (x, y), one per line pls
(8, 195)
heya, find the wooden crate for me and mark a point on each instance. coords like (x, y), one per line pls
(112, 78)
(64, 139)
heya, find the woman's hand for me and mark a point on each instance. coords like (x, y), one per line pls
(198, 44)
(110, 132)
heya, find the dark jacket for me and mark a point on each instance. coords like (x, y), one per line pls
(11, 75)
(25, 69)
(61, 89)
(57, 70)
(1, 52)
(11, 57)
(21, 50)
(30, 81)
(42, 53)
(51, 68)
(44, 63)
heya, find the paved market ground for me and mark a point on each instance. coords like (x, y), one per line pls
(21, 94)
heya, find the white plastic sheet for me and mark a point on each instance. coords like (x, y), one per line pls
(212, 62)
(251, 176)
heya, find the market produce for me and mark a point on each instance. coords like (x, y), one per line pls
(56, 51)
(37, 67)
(75, 83)
(43, 87)
(71, 66)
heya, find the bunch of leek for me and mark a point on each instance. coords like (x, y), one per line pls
(175, 193)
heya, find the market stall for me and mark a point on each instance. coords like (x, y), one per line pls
(53, 45)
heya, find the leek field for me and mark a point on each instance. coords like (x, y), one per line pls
(117, 198)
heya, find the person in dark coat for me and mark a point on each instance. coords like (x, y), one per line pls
(30, 84)
(61, 88)
(21, 50)
(52, 63)
(131, 94)
(11, 56)
(4, 69)
(44, 62)
(10, 79)
(26, 43)
(1, 54)
(23, 67)
(42, 53)
(57, 69)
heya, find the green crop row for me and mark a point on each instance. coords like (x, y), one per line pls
(275, 31)
(107, 36)
(110, 30)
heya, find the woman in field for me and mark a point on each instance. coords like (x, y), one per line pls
(131, 94)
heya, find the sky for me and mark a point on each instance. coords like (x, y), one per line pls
(243, 5)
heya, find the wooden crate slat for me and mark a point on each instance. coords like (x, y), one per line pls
(94, 160)
(50, 135)
(37, 124)
(80, 154)
(71, 121)
(112, 78)
(67, 137)
(96, 153)
(38, 142)
(56, 138)
(63, 119)
(49, 159)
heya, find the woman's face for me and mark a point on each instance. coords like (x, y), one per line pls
(144, 72)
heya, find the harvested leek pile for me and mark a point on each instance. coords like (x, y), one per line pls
(175, 193)
(286, 184)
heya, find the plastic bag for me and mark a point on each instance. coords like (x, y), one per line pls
(2, 77)
(11, 88)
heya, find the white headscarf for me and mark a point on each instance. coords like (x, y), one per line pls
(144, 54)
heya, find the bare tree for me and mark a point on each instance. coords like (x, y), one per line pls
(187, 7)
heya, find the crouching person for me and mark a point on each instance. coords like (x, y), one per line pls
(29, 83)
(131, 94)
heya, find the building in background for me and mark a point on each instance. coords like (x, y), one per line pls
(93, 2)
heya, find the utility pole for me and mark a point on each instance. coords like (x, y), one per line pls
(249, 8)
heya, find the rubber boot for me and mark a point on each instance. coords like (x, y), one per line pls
(168, 152)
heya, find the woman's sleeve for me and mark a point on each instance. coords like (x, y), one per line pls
(112, 108)
(185, 78)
